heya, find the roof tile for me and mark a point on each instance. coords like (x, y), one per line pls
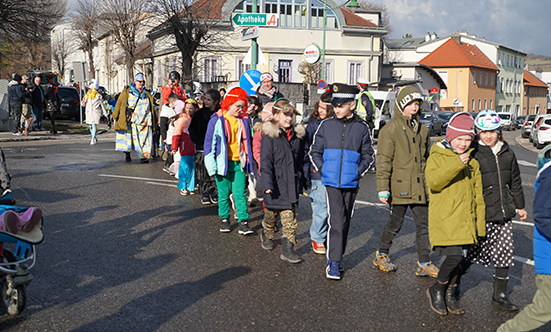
(354, 20)
(531, 80)
(455, 54)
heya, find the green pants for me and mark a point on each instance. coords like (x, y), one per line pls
(234, 182)
(288, 221)
(537, 313)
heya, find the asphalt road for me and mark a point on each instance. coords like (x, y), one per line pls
(123, 251)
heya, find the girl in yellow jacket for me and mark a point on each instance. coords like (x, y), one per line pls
(456, 208)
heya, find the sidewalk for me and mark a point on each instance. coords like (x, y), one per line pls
(7, 136)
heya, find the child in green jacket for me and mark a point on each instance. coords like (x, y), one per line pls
(456, 208)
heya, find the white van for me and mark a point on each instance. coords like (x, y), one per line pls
(508, 120)
(384, 108)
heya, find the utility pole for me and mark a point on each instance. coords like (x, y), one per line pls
(254, 45)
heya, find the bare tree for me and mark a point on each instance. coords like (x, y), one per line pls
(126, 20)
(85, 24)
(407, 35)
(311, 73)
(195, 25)
(385, 16)
(61, 48)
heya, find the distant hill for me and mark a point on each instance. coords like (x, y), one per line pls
(538, 62)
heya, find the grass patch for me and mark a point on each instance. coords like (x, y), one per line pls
(66, 127)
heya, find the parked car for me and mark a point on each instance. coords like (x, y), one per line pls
(70, 103)
(520, 122)
(537, 120)
(432, 121)
(507, 120)
(527, 125)
(445, 116)
(542, 131)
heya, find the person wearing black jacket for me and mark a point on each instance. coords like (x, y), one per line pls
(37, 95)
(206, 184)
(16, 97)
(53, 105)
(504, 198)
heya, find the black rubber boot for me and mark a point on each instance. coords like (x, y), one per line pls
(451, 302)
(128, 158)
(287, 251)
(436, 294)
(499, 298)
(463, 269)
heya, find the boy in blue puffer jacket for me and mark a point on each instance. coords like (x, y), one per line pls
(341, 152)
(538, 312)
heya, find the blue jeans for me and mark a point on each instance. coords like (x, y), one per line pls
(318, 230)
(37, 116)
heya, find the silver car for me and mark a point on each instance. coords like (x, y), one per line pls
(526, 127)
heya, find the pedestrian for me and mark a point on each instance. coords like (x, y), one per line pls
(53, 105)
(504, 198)
(267, 92)
(282, 158)
(135, 120)
(402, 152)
(168, 111)
(537, 313)
(341, 152)
(172, 86)
(318, 230)
(93, 102)
(181, 142)
(366, 103)
(456, 208)
(26, 109)
(206, 184)
(38, 103)
(228, 156)
(255, 108)
(16, 98)
(222, 93)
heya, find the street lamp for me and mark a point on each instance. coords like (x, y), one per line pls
(353, 4)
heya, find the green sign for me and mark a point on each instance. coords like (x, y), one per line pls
(255, 19)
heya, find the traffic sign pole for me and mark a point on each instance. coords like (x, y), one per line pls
(254, 48)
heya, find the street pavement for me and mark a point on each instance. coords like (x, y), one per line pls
(123, 251)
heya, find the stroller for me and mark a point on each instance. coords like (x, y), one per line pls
(17, 252)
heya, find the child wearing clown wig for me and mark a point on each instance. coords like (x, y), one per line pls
(228, 156)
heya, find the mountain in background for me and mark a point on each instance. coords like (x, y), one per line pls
(538, 62)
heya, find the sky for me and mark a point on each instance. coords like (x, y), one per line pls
(523, 25)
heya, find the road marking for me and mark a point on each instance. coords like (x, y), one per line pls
(524, 260)
(372, 204)
(526, 163)
(136, 178)
(163, 184)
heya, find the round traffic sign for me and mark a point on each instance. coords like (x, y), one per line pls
(250, 81)
(322, 84)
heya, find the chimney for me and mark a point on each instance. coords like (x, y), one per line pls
(433, 36)
(427, 37)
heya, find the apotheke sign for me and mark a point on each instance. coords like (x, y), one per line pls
(312, 53)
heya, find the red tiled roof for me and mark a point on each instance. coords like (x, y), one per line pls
(354, 20)
(531, 80)
(454, 54)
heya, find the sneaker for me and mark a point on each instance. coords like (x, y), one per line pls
(184, 192)
(332, 270)
(225, 226)
(214, 199)
(16, 133)
(244, 228)
(427, 269)
(166, 169)
(192, 192)
(267, 244)
(382, 261)
(205, 200)
(253, 202)
(93, 142)
(319, 248)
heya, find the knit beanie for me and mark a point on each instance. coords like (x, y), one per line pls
(405, 96)
(234, 95)
(179, 106)
(460, 124)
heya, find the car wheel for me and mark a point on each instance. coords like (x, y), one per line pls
(530, 139)
(523, 135)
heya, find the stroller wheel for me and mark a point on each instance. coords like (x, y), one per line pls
(14, 298)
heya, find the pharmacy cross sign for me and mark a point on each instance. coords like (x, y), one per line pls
(246, 19)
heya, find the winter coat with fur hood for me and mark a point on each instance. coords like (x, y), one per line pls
(282, 157)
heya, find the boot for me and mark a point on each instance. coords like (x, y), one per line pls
(128, 158)
(500, 298)
(451, 302)
(436, 294)
(463, 269)
(287, 252)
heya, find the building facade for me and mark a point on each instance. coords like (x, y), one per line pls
(534, 95)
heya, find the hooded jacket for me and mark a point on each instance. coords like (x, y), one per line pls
(456, 207)
(281, 165)
(502, 185)
(216, 144)
(402, 152)
(341, 151)
(542, 221)
(15, 93)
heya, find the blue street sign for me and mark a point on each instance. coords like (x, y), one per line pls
(322, 84)
(250, 81)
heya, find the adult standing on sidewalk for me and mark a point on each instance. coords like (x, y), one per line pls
(267, 92)
(93, 102)
(53, 105)
(37, 103)
(16, 98)
(27, 116)
(135, 120)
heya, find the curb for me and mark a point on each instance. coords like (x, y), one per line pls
(58, 136)
(526, 144)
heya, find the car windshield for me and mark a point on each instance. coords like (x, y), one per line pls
(445, 116)
(425, 116)
(68, 94)
(505, 116)
(531, 117)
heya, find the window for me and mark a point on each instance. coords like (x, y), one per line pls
(242, 67)
(159, 73)
(444, 75)
(174, 63)
(329, 72)
(210, 69)
(354, 72)
(284, 71)
(472, 105)
(491, 104)
(479, 104)
(474, 77)
(486, 81)
(485, 103)
(480, 78)
(491, 79)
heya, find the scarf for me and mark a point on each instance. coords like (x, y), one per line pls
(91, 94)
(270, 93)
(135, 92)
